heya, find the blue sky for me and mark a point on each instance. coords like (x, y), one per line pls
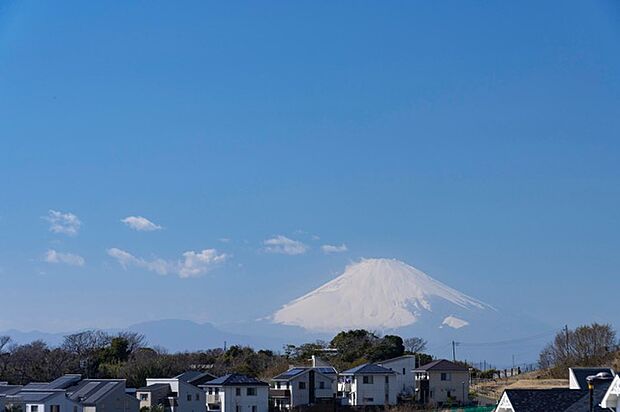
(477, 141)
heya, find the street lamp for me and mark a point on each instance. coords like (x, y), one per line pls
(592, 380)
(463, 391)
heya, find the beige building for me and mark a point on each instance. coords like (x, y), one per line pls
(441, 382)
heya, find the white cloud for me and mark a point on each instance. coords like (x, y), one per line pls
(140, 223)
(196, 264)
(193, 264)
(66, 223)
(282, 244)
(53, 256)
(334, 248)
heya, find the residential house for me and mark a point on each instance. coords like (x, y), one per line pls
(577, 377)
(7, 390)
(237, 393)
(440, 382)
(303, 386)
(368, 384)
(575, 398)
(403, 367)
(611, 399)
(556, 399)
(178, 394)
(42, 400)
(71, 393)
(102, 395)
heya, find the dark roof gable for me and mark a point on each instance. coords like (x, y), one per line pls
(442, 365)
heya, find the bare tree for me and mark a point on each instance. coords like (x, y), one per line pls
(588, 345)
(415, 345)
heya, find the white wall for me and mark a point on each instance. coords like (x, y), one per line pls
(373, 393)
(403, 367)
(197, 401)
(439, 389)
(230, 400)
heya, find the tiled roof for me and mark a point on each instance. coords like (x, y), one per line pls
(368, 369)
(236, 379)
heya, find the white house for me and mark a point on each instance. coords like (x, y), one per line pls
(440, 382)
(611, 400)
(42, 400)
(237, 393)
(368, 384)
(403, 367)
(303, 386)
(178, 394)
(7, 390)
(578, 377)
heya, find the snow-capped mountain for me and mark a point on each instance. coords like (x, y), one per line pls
(379, 294)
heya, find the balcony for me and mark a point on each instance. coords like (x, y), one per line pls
(213, 398)
(279, 393)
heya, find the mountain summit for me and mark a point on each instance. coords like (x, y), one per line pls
(377, 294)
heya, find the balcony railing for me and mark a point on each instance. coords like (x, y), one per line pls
(280, 393)
(213, 398)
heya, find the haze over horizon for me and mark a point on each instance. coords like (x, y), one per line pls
(212, 162)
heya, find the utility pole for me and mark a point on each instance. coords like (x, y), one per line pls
(567, 343)
(453, 351)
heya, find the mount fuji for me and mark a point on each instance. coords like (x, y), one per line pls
(390, 296)
(380, 294)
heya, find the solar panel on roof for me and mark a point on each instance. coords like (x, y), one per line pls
(84, 390)
(101, 392)
(293, 372)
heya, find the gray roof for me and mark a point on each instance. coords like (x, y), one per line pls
(154, 387)
(236, 379)
(548, 400)
(555, 400)
(368, 369)
(581, 374)
(195, 377)
(327, 371)
(34, 396)
(9, 389)
(442, 365)
(91, 391)
(63, 382)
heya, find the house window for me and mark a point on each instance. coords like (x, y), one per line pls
(449, 394)
(210, 391)
(251, 392)
(254, 408)
(34, 408)
(404, 371)
(189, 396)
(144, 396)
(237, 408)
(237, 391)
(321, 385)
(368, 379)
(217, 390)
(75, 408)
(196, 397)
(302, 385)
(369, 400)
(54, 408)
(445, 376)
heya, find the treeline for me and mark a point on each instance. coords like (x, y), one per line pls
(587, 345)
(96, 354)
